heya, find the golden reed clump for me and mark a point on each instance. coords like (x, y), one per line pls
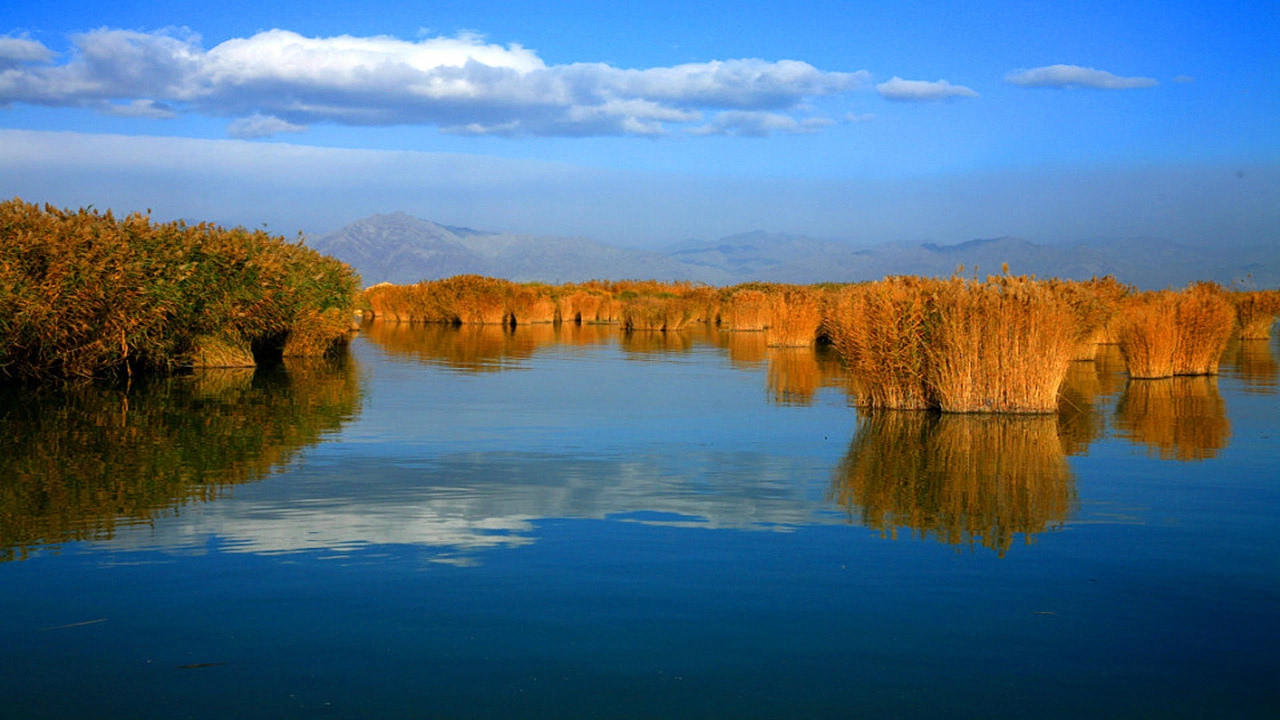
(654, 313)
(794, 316)
(1095, 303)
(1256, 312)
(1003, 345)
(1166, 333)
(879, 331)
(959, 346)
(745, 308)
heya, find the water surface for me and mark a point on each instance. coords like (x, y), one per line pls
(575, 522)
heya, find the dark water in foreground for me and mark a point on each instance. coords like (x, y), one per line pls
(574, 523)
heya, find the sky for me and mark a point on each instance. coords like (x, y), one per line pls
(650, 123)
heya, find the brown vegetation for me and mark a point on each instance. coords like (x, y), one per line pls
(84, 294)
(1163, 334)
(1256, 311)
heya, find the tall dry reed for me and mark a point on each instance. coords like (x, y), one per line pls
(1147, 333)
(879, 329)
(85, 294)
(745, 308)
(794, 316)
(1002, 346)
(1256, 311)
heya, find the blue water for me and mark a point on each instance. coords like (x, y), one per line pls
(644, 530)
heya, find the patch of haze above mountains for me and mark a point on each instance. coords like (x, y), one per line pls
(402, 249)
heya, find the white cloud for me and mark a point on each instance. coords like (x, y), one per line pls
(1184, 79)
(757, 124)
(854, 117)
(460, 84)
(1072, 76)
(260, 126)
(922, 90)
(15, 51)
(139, 109)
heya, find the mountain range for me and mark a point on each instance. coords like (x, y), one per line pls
(402, 249)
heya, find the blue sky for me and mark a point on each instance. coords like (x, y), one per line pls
(649, 124)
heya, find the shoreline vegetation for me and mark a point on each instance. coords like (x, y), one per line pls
(84, 294)
(1000, 345)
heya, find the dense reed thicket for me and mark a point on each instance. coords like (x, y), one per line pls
(1167, 333)
(1256, 311)
(1000, 345)
(84, 294)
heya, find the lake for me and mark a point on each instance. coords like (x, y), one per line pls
(574, 522)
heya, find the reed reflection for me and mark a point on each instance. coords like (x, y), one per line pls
(471, 348)
(747, 348)
(1178, 418)
(75, 464)
(1080, 422)
(961, 479)
(655, 342)
(1253, 362)
(796, 373)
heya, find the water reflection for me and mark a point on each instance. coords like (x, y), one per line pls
(655, 342)
(78, 463)
(796, 373)
(1253, 362)
(962, 479)
(1179, 418)
(457, 506)
(470, 348)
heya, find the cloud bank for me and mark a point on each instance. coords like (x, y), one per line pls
(280, 81)
(1074, 76)
(922, 90)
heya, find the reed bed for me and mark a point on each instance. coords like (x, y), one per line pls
(795, 316)
(1206, 322)
(654, 313)
(879, 329)
(534, 303)
(745, 308)
(961, 479)
(1147, 334)
(1002, 345)
(1163, 334)
(1256, 312)
(84, 294)
(1179, 418)
(1095, 303)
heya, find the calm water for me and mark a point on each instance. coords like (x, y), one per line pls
(575, 523)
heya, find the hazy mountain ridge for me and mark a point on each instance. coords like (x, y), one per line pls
(403, 249)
